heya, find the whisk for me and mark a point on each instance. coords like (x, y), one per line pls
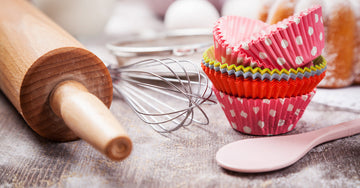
(165, 93)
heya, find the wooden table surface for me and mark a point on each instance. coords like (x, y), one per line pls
(184, 158)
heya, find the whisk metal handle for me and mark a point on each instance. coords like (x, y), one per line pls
(90, 119)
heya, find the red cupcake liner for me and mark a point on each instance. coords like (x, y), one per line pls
(264, 89)
(263, 116)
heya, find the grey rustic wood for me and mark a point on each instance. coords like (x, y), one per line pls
(185, 158)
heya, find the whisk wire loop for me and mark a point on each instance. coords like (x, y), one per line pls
(164, 93)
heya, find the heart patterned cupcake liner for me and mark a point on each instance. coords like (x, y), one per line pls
(263, 116)
(291, 43)
(229, 32)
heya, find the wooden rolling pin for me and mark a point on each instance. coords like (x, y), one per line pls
(62, 90)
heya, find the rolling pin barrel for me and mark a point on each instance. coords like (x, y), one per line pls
(62, 90)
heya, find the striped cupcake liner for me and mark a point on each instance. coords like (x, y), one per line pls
(266, 76)
(318, 66)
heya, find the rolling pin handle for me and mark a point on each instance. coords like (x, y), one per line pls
(90, 119)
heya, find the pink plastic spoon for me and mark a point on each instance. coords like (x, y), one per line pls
(273, 153)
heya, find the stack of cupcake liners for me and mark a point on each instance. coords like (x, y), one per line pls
(251, 82)
(264, 76)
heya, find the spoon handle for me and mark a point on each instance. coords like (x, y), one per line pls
(337, 131)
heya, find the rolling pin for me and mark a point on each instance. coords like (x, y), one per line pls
(62, 90)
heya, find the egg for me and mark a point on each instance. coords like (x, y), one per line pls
(81, 18)
(185, 14)
(217, 3)
(236, 7)
(159, 7)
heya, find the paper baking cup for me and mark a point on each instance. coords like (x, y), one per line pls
(266, 76)
(229, 32)
(264, 89)
(290, 43)
(316, 67)
(263, 116)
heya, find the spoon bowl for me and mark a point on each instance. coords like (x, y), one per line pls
(273, 153)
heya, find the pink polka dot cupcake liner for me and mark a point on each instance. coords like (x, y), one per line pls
(263, 116)
(291, 43)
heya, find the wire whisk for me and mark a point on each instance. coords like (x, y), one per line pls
(165, 93)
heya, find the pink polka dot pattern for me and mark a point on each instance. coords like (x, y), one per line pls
(263, 116)
(298, 43)
(291, 43)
